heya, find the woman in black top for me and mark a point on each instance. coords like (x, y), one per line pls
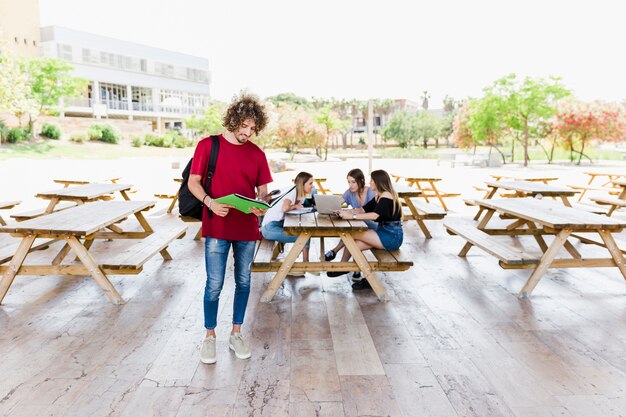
(386, 210)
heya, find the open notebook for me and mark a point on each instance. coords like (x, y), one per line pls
(243, 203)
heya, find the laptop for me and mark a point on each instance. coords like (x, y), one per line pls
(327, 204)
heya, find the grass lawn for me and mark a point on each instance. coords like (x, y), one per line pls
(50, 149)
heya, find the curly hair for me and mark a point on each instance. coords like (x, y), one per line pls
(245, 106)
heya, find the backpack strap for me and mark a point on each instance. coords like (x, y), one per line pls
(210, 169)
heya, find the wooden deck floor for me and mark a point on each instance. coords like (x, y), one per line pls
(454, 341)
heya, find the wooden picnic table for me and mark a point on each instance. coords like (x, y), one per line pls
(81, 194)
(82, 181)
(527, 189)
(614, 203)
(79, 227)
(307, 226)
(7, 205)
(541, 218)
(172, 196)
(593, 175)
(418, 211)
(523, 177)
(426, 184)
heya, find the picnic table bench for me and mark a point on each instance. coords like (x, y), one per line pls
(617, 202)
(540, 218)
(7, 205)
(310, 225)
(78, 227)
(172, 196)
(593, 175)
(71, 196)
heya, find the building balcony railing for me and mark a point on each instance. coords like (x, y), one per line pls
(139, 107)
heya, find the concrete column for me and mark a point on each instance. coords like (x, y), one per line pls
(95, 95)
(156, 103)
(129, 100)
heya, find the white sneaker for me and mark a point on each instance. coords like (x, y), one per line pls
(239, 346)
(207, 352)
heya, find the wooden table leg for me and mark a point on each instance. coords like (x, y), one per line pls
(14, 266)
(365, 267)
(613, 249)
(61, 255)
(198, 235)
(544, 263)
(417, 217)
(100, 277)
(124, 195)
(540, 240)
(566, 201)
(174, 200)
(2, 222)
(481, 225)
(143, 222)
(436, 191)
(285, 267)
(51, 205)
(621, 196)
(489, 195)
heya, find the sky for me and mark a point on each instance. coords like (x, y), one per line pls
(372, 49)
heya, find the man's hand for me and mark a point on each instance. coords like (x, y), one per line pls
(257, 211)
(220, 209)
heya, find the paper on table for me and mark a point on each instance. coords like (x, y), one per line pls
(303, 210)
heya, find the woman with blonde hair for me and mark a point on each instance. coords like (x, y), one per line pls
(272, 226)
(386, 210)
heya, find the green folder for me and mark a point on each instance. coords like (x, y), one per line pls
(243, 203)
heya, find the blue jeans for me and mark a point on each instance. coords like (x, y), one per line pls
(274, 231)
(215, 256)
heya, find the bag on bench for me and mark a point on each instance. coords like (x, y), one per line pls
(188, 204)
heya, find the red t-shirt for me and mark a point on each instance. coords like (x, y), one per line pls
(239, 169)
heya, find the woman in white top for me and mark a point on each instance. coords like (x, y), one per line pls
(272, 226)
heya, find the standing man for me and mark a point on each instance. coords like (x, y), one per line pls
(241, 167)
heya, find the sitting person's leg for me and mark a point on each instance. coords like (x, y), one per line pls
(365, 241)
(274, 231)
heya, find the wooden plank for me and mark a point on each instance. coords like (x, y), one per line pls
(136, 254)
(490, 244)
(608, 200)
(553, 215)
(430, 211)
(533, 188)
(5, 205)
(31, 214)
(80, 221)
(8, 250)
(86, 192)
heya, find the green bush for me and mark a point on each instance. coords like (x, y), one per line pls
(110, 134)
(94, 132)
(51, 131)
(137, 141)
(4, 131)
(17, 135)
(78, 138)
(153, 140)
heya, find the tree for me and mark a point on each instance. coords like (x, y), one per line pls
(50, 80)
(399, 128)
(461, 133)
(14, 89)
(297, 127)
(332, 124)
(425, 126)
(210, 123)
(524, 104)
(290, 100)
(577, 123)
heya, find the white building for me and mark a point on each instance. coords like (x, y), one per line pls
(129, 80)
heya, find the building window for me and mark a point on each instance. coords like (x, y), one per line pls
(25, 42)
(64, 52)
(16, 40)
(34, 43)
(114, 96)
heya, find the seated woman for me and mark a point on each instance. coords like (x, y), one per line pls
(386, 210)
(356, 196)
(272, 226)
